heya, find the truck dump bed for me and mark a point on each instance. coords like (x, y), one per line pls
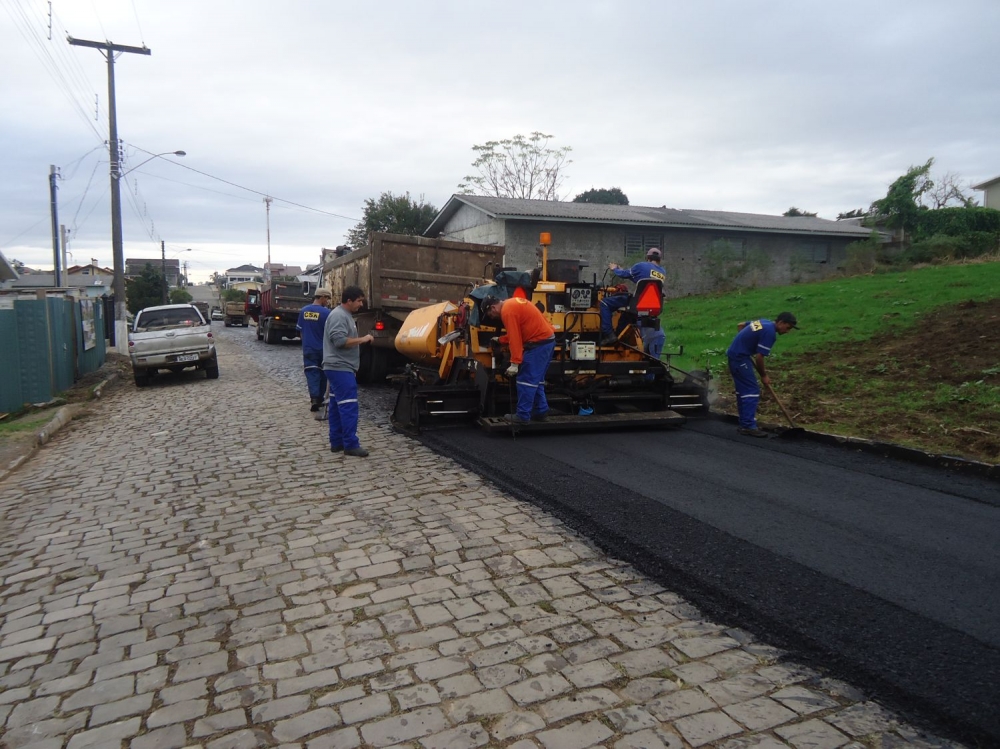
(399, 274)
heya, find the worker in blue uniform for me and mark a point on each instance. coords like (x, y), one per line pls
(312, 320)
(651, 268)
(752, 344)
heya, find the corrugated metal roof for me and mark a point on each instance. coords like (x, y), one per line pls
(515, 208)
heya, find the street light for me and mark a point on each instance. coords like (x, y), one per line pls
(154, 156)
(117, 244)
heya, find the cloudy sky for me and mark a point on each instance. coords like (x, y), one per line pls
(718, 104)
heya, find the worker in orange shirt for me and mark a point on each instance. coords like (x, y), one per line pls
(532, 341)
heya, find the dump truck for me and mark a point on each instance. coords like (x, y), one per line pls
(235, 313)
(398, 275)
(276, 309)
(203, 309)
(457, 370)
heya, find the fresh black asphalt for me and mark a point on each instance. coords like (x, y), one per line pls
(883, 572)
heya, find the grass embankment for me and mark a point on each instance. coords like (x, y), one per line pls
(910, 357)
(24, 423)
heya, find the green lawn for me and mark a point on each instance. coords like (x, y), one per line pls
(832, 311)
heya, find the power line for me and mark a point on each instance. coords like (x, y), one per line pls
(249, 189)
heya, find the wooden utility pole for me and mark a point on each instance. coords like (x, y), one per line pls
(120, 336)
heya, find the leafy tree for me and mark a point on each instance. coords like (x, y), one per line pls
(180, 296)
(234, 295)
(793, 211)
(145, 290)
(856, 213)
(901, 205)
(610, 196)
(398, 214)
(518, 167)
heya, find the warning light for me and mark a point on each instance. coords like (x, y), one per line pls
(650, 302)
(545, 239)
(520, 293)
(379, 325)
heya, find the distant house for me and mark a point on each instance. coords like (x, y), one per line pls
(244, 274)
(991, 190)
(779, 249)
(280, 270)
(171, 268)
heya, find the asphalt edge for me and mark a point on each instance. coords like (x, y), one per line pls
(62, 417)
(885, 449)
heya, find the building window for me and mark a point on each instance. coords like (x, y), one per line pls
(815, 252)
(735, 245)
(636, 243)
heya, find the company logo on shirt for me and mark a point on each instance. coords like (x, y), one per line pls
(311, 315)
(756, 326)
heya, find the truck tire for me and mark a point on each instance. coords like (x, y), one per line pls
(141, 377)
(271, 335)
(260, 331)
(212, 370)
(374, 365)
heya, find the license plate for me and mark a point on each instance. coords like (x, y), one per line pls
(188, 357)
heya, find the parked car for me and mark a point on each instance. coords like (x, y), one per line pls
(174, 337)
(217, 314)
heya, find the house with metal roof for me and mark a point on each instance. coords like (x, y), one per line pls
(697, 245)
(991, 192)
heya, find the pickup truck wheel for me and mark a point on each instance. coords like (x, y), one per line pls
(212, 368)
(141, 378)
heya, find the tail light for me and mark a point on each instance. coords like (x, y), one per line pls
(209, 335)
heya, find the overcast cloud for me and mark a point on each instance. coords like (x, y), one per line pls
(729, 105)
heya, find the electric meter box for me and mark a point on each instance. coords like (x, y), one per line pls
(583, 351)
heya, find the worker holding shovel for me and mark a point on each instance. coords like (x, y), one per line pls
(746, 356)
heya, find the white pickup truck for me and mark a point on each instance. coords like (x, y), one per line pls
(172, 337)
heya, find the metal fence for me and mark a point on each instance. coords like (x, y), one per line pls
(46, 345)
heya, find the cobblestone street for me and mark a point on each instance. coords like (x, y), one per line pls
(189, 566)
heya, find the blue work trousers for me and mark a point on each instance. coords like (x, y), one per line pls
(312, 362)
(531, 380)
(609, 305)
(343, 408)
(747, 389)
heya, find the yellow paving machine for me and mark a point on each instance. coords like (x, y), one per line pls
(456, 373)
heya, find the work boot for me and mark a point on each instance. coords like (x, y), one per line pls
(609, 340)
(755, 432)
(515, 419)
(357, 452)
(337, 449)
(314, 404)
(544, 416)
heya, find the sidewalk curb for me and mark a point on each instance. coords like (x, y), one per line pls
(63, 417)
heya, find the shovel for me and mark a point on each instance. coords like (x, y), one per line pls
(793, 430)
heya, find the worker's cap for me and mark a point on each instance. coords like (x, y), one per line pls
(788, 318)
(323, 292)
(654, 252)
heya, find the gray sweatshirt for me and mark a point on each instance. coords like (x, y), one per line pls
(339, 327)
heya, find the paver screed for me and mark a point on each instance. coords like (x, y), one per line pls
(190, 566)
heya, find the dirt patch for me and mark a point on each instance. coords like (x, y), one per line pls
(935, 386)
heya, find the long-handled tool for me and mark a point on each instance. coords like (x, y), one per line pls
(792, 430)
